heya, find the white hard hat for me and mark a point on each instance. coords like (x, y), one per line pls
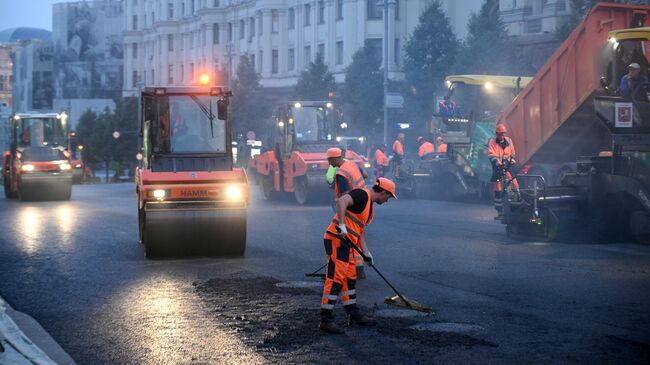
(634, 65)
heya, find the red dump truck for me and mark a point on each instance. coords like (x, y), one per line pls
(552, 120)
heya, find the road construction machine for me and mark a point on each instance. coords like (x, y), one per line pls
(297, 163)
(609, 194)
(37, 165)
(191, 200)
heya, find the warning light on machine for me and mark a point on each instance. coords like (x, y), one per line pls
(204, 79)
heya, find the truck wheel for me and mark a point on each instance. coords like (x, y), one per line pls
(268, 188)
(640, 226)
(301, 190)
(7, 185)
(141, 225)
(65, 192)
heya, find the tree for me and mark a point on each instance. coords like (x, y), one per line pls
(488, 47)
(315, 82)
(249, 108)
(579, 9)
(430, 54)
(362, 91)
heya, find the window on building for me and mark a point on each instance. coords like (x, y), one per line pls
(242, 29)
(307, 58)
(183, 9)
(260, 55)
(339, 9)
(307, 15)
(170, 11)
(181, 73)
(134, 79)
(291, 59)
(321, 50)
(397, 9)
(260, 22)
(145, 20)
(373, 10)
(170, 74)
(153, 76)
(321, 12)
(135, 22)
(216, 3)
(397, 51)
(204, 36)
(181, 40)
(252, 58)
(339, 52)
(191, 72)
(275, 61)
(134, 50)
(251, 28)
(153, 17)
(135, 3)
(191, 7)
(275, 21)
(292, 18)
(229, 32)
(191, 34)
(215, 33)
(170, 42)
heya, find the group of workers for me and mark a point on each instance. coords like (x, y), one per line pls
(426, 150)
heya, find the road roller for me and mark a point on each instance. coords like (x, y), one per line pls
(191, 199)
(37, 165)
(297, 162)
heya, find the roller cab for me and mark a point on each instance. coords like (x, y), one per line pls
(191, 201)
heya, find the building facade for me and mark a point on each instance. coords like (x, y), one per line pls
(170, 42)
(87, 38)
(33, 71)
(6, 76)
(527, 17)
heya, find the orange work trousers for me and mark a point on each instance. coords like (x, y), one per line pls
(341, 276)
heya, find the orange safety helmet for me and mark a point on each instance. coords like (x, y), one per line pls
(387, 185)
(334, 152)
(501, 128)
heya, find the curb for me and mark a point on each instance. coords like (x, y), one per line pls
(17, 348)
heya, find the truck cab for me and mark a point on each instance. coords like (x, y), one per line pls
(37, 164)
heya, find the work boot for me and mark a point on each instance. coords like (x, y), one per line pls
(361, 272)
(358, 319)
(327, 323)
(499, 216)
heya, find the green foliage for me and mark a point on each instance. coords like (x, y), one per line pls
(488, 48)
(580, 8)
(315, 82)
(363, 89)
(249, 109)
(429, 56)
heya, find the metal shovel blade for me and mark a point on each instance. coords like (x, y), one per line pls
(408, 304)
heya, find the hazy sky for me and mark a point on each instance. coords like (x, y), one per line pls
(27, 13)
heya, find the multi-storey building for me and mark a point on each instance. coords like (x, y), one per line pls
(523, 17)
(5, 76)
(169, 42)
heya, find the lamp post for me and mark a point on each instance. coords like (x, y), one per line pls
(386, 4)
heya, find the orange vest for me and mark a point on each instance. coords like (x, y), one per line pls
(425, 149)
(495, 151)
(354, 223)
(352, 174)
(380, 158)
(398, 148)
(442, 148)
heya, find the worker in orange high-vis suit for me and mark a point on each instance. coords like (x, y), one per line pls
(354, 212)
(426, 149)
(348, 176)
(398, 154)
(501, 152)
(381, 162)
(442, 146)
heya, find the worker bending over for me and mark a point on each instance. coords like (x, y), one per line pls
(381, 162)
(398, 154)
(442, 146)
(426, 149)
(354, 212)
(501, 152)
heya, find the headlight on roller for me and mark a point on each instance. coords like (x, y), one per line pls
(65, 166)
(77, 166)
(159, 194)
(367, 165)
(27, 168)
(234, 192)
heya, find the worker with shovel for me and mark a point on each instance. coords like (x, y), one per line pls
(354, 212)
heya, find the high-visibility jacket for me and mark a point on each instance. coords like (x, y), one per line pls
(442, 148)
(498, 152)
(350, 171)
(354, 223)
(398, 148)
(380, 158)
(425, 149)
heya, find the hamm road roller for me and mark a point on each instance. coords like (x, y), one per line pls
(191, 200)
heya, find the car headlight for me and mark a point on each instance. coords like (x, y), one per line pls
(234, 192)
(27, 168)
(77, 166)
(65, 166)
(367, 165)
(159, 194)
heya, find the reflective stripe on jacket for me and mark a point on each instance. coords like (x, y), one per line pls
(352, 174)
(354, 223)
(496, 152)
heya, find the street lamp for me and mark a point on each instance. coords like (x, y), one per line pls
(386, 4)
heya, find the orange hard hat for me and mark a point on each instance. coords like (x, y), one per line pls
(501, 128)
(387, 185)
(420, 138)
(334, 152)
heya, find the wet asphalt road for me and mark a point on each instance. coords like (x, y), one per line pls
(78, 269)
